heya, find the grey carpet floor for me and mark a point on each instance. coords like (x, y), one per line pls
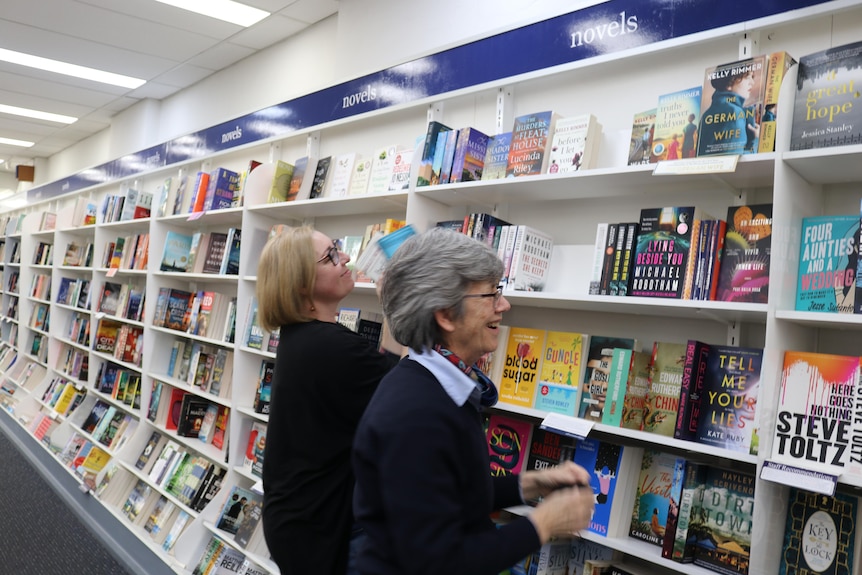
(39, 534)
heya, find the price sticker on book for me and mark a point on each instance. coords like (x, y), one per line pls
(568, 426)
(688, 166)
(808, 479)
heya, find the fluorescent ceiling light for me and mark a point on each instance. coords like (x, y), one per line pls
(16, 111)
(11, 142)
(70, 69)
(226, 10)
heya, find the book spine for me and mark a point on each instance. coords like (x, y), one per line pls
(608, 261)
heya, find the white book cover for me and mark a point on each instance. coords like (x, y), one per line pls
(571, 144)
(400, 179)
(360, 178)
(531, 260)
(342, 170)
(381, 169)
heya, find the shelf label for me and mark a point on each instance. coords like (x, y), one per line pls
(688, 166)
(195, 216)
(566, 425)
(808, 479)
(111, 272)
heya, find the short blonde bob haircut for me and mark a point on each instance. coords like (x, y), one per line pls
(286, 273)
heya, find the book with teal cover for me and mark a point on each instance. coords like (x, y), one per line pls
(176, 252)
(826, 281)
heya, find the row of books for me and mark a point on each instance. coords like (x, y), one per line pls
(79, 328)
(203, 313)
(74, 363)
(131, 204)
(122, 341)
(74, 292)
(189, 414)
(202, 252)
(63, 396)
(40, 317)
(44, 254)
(109, 425)
(40, 286)
(120, 384)
(694, 391)
(78, 255)
(205, 367)
(127, 252)
(122, 300)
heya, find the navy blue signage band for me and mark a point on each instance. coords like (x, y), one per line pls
(606, 28)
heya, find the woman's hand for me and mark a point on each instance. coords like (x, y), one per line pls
(535, 484)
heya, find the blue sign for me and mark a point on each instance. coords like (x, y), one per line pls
(606, 28)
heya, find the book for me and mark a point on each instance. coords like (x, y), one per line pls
(400, 178)
(233, 510)
(547, 449)
(597, 365)
(690, 390)
(426, 159)
(574, 144)
(618, 376)
(360, 177)
(523, 349)
(732, 107)
(677, 545)
(745, 261)
(721, 521)
(441, 167)
(602, 460)
(469, 160)
(214, 253)
(383, 161)
(530, 144)
(230, 260)
(662, 251)
(819, 534)
(249, 521)
(109, 298)
(652, 496)
(264, 387)
(320, 178)
(496, 156)
(825, 112)
(254, 450)
(279, 187)
(728, 399)
(342, 171)
(531, 260)
(640, 145)
(778, 64)
(176, 252)
(561, 367)
(674, 112)
(828, 257)
(661, 405)
(508, 443)
(815, 412)
(221, 189)
(637, 388)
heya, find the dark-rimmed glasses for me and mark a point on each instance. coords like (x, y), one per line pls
(497, 294)
(333, 253)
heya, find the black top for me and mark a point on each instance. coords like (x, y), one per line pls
(324, 376)
(423, 486)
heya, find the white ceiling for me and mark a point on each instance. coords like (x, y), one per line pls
(169, 48)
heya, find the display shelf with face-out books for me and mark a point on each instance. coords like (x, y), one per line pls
(568, 207)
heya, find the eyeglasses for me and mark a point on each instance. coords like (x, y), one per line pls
(333, 253)
(497, 294)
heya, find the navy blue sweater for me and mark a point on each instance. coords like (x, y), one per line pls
(423, 488)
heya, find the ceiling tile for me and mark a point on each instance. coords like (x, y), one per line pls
(268, 32)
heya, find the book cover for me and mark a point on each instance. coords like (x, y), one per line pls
(255, 448)
(221, 189)
(681, 548)
(815, 411)
(528, 150)
(383, 161)
(721, 521)
(602, 460)
(214, 254)
(524, 347)
(279, 189)
(572, 144)
(561, 365)
(263, 392)
(828, 257)
(508, 443)
(690, 390)
(235, 507)
(728, 400)
(778, 64)
(662, 251)
(321, 177)
(429, 148)
(469, 160)
(360, 177)
(496, 156)
(745, 260)
(819, 534)
(732, 107)
(652, 496)
(662, 401)
(400, 179)
(445, 157)
(618, 376)
(637, 388)
(342, 170)
(531, 260)
(594, 385)
(640, 145)
(676, 113)
(547, 449)
(826, 111)
(673, 507)
(176, 253)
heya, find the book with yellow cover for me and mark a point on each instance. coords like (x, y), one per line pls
(562, 362)
(521, 365)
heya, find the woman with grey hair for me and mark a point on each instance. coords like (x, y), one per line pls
(423, 486)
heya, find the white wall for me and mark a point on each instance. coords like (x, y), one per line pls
(366, 36)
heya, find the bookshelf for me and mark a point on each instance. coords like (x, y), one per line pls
(568, 206)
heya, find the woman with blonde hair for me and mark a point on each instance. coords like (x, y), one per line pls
(324, 376)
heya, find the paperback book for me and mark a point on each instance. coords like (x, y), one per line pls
(597, 366)
(521, 363)
(652, 496)
(602, 460)
(640, 145)
(819, 534)
(508, 443)
(828, 259)
(528, 151)
(662, 251)
(676, 113)
(745, 263)
(562, 356)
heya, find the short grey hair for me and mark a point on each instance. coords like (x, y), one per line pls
(429, 272)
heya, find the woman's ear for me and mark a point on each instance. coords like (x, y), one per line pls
(445, 319)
